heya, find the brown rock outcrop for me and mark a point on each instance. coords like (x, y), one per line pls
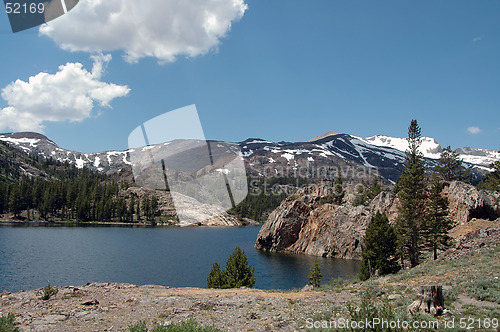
(467, 202)
(302, 224)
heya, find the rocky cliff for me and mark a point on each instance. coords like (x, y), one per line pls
(302, 224)
(466, 202)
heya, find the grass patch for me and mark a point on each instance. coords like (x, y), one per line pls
(188, 326)
(484, 290)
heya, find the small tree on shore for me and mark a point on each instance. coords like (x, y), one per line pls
(238, 272)
(216, 278)
(315, 274)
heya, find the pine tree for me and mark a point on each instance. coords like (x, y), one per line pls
(449, 166)
(315, 274)
(238, 271)
(492, 180)
(131, 208)
(216, 278)
(154, 206)
(412, 197)
(15, 201)
(438, 225)
(338, 189)
(379, 250)
(146, 207)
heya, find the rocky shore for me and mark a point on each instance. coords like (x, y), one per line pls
(114, 307)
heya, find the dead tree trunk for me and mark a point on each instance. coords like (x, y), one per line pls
(429, 300)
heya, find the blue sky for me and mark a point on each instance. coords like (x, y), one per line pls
(283, 70)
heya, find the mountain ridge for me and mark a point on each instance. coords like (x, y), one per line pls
(383, 153)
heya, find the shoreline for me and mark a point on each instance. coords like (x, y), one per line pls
(45, 223)
(116, 306)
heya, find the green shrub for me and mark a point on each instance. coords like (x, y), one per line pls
(188, 326)
(7, 324)
(138, 327)
(47, 293)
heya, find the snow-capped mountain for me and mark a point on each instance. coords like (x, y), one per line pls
(317, 158)
(34, 143)
(431, 149)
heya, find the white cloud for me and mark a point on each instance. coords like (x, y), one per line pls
(474, 130)
(163, 29)
(477, 39)
(67, 95)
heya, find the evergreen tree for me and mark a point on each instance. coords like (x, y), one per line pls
(154, 206)
(131, 208)
(138, 210)
(15, 201)
(315, 274)
(239, 271)
(492, 180)
(146, 207)
(412, 197)
(438, 225)
(449, 166)
(338, 189)
(366, 193)
(3, 198)
(216, 278)
(379, 250)
(375, 188)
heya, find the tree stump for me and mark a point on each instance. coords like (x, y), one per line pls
(429, 300)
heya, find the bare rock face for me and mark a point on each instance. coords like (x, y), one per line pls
(210, 215)
(467, 202)
(303, 225)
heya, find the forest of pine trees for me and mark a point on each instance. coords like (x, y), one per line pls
(87, 197)
(64, 192)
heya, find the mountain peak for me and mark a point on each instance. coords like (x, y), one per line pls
(317, 138)
(27, 134)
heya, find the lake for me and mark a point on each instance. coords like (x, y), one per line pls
(31, 256)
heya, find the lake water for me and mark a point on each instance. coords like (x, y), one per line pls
(32, 256)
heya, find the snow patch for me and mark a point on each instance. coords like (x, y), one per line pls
(288, 156)
(31, 141)
(79, 163)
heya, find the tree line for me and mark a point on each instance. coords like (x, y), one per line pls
(88, 196)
